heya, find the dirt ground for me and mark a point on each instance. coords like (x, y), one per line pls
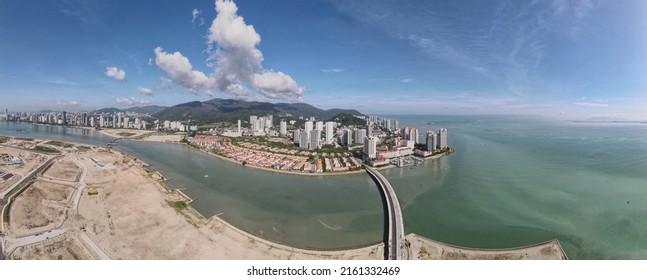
(425, 249)
(41, 207)
(64, 169)
(66, 247)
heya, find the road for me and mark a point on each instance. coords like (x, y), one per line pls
(82, 185)
(8, 194)
(95, 248)
(396, 221)
(14, 243)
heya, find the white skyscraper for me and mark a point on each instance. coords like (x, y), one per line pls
(283, 128)
(329, 132)
(409, 133)
(238, 126)
(442, 138)
(370, 144)
(308, 126)
(253, 123)
(92, 121)
(431, 141)
(319, 125)
(359, 135)
(296, 136)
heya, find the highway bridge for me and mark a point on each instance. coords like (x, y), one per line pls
(395, 243)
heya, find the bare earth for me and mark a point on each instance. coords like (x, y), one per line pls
(130, 215)
(64, 169)
(143, 135)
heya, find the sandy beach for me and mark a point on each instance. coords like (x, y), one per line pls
(142, 135)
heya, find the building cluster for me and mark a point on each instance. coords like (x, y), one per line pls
(276, 158)
(314, 135)
(99, 120)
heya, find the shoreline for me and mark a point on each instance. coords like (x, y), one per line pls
(321, 253)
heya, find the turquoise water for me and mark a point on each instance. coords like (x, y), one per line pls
(511, 182)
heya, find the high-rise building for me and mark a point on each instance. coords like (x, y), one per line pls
(238, 126)
(431, 141)
(442, 138)
(92, 121)
(121, 120)
(125, 123)
(304, 142)
(64, 118)
(101, 121)
(114, 120)
(253, 123)
(283, 128)
(308, 126)
(319, 125)
(329, 132)
(370, 144)
(409, 133)
(315, 138)
(396, 125)
(359, 135)
(347, 137)
(296, 136)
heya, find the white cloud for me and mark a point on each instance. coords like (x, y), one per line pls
(209, 93)
(333, 70)
(276, 85)
(150, 61)
(165, 84)
(116, 73)
(232, 44)
(130, 101)
(406, 80)
(236, 61)
(180, 70)
(145, 91)
(68, 103)
(591, 104)
(195, 15)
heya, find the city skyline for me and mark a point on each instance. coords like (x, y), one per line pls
(567, 59)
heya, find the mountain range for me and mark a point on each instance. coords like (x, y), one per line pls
(231, 110)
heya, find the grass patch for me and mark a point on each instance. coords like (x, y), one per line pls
(180, 205)
(60, 144)
(46, 149)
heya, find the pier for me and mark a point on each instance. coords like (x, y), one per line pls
(395, 242)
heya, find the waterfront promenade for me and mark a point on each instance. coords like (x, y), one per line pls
(395, 243)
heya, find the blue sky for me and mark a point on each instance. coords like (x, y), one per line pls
(570, 59)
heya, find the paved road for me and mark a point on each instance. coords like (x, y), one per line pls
(396, 221)
(14, 243)
(95, 248)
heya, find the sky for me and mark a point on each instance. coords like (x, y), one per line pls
(562, 58)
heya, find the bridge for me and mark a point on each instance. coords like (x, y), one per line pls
(395, 243)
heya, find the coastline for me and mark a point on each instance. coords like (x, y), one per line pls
(272, 248)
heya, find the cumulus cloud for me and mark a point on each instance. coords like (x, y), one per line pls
(196, 16)
(130, 101)
(145, 91)
(235, 59)
(150, 61)
(180, 70)
(406, 80)
(116, 73)
(238, 61)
